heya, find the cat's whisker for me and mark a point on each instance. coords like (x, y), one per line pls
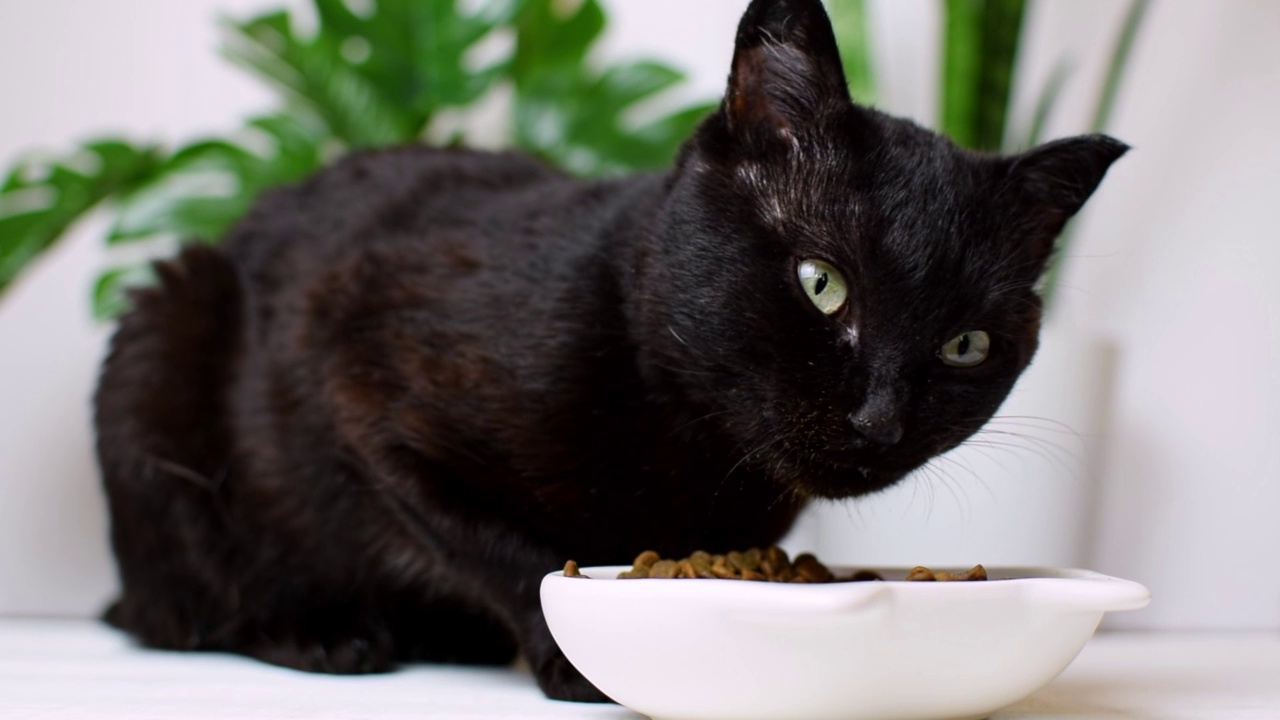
(948, 483)
(686, 371)
(708, 416)
(1055, 449)
(1010, 290)
(1032, 420)
(1060, 453)
(942, 484)
(976, 447)
(676, 335)
(1015, 448)
(931, 479)
(974, 473)
(1011, 447)
(786, 490)
(926, 482)
(1028, 424)
(758, 450)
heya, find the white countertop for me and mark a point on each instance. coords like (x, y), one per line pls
(64, 669)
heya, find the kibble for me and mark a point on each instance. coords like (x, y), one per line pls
(921, 574)
(924, 574)
(646, 559)
(976, 573)
(664, 569)
(809, 570)
(767, 565)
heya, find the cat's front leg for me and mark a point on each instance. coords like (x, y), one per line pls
(510, 581)
(557, 677)
(486, 560)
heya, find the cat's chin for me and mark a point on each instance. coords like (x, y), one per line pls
(841, 481)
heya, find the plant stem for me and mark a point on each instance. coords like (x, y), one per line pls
(853, 33)
(1001, 36)
(1116, 68)
(1119, 63)
(961, 66)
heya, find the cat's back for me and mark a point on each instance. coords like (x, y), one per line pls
(404, 194)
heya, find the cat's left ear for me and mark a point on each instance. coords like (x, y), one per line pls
(786, 69)
(1055, 179)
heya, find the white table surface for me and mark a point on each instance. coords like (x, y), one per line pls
(63, 669)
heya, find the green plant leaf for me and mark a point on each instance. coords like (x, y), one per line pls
(111, 290)
(417, 50)
(365, 78)
(851, 22)
(1118, 64)
(205, 187)
(1045, 104)
(1001, 35)
(39, 202)
(314, 74)
(980, 48)
(552, 44)
(1116, 67)
(578, 117)
(961, 67)
(583, 126)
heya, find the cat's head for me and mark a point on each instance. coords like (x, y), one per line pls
(844, 293)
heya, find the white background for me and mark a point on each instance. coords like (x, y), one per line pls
(1174, 263)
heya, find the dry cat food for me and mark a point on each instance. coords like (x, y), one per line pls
(926, 575)
(769, 565)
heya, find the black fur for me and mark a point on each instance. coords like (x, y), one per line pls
(362, 431)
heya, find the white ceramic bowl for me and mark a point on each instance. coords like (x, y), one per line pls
(893, 650)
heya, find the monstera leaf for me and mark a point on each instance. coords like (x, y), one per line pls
(205, 187)
(313, 74)
(370, 74)
(415, 52)
(202, 189)
(578, 117)
(39, 201)
(375, 78)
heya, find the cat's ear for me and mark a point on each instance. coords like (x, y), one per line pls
(786, 69)
(1055, 179)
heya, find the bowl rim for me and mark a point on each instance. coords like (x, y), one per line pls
(1067, 589)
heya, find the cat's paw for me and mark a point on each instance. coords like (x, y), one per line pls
(560, 680)
(335, 656)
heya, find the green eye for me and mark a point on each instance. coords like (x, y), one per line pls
(967, 350)
(824, 285)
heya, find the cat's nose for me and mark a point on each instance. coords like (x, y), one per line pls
(878, 429)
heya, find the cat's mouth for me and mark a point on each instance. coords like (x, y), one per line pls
(842, 476)
(862, 481)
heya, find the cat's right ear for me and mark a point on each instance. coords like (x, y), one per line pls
(1054, 180)
(786, 70)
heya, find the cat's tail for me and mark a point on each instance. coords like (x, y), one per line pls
(164, 450)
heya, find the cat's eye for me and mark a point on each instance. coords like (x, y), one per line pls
(966, 350)
(824, 285)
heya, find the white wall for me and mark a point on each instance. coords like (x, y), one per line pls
(1178, 262)
(1173, 263)
(72, 69)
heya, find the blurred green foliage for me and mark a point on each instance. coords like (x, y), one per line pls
(370, 74)
(979, 44)
(383, 72)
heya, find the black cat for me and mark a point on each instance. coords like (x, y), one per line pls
(362, 430)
